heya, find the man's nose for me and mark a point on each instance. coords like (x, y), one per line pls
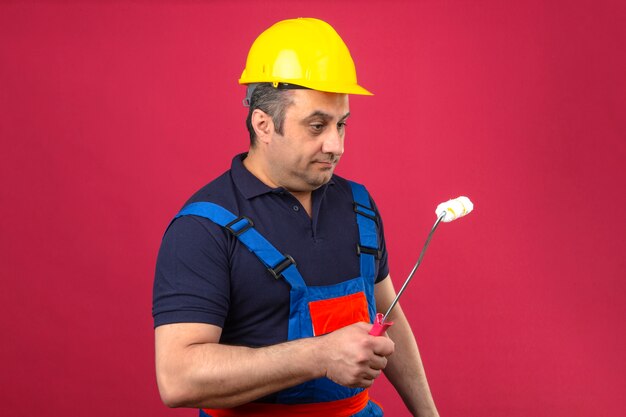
(333, 143)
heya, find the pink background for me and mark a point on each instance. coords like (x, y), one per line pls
(111, 115)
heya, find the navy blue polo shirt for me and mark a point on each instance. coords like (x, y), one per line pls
(205, 275)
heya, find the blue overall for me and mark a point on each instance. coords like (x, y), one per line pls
(303, 297)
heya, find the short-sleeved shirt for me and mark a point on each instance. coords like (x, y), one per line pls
(205, 275)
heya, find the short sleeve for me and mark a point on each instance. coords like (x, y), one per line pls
(191, 282)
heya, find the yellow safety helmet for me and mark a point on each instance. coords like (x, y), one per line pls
(304, 52)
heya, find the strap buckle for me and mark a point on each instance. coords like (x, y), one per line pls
(278, 269)
(365, 211)
(369, 251)
(243, 229)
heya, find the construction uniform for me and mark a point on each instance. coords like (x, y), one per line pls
(248, 258)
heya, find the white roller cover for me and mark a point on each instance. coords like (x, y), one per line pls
(454, 208)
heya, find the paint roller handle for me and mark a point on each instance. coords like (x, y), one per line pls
(380, 325)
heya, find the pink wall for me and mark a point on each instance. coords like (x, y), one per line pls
(112, 115)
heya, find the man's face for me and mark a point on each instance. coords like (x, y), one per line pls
(304, 157)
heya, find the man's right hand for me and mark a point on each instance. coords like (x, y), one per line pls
(352, 357)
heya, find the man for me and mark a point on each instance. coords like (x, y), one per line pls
(270, 276)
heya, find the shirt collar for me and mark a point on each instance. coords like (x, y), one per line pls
(249, 185)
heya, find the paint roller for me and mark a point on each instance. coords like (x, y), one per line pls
(446, 212)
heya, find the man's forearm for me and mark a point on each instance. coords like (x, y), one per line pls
(193, 370)
(211, 375)
(405, 369)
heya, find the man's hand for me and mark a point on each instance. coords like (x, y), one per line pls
(352, 357)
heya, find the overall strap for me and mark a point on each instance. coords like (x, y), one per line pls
(367, 248)
(243, 229)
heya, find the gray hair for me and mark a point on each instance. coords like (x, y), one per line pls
(270, 100)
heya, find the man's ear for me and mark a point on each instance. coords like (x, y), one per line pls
(263, 125)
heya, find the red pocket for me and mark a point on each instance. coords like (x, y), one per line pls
(335, 313)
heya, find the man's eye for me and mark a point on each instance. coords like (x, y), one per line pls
(317, 127)
(341, 125)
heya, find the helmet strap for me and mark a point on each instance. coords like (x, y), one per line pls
(287, 86)
(277, 85)
(249, 90)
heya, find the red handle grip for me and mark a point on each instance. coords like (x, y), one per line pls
(379, 327)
